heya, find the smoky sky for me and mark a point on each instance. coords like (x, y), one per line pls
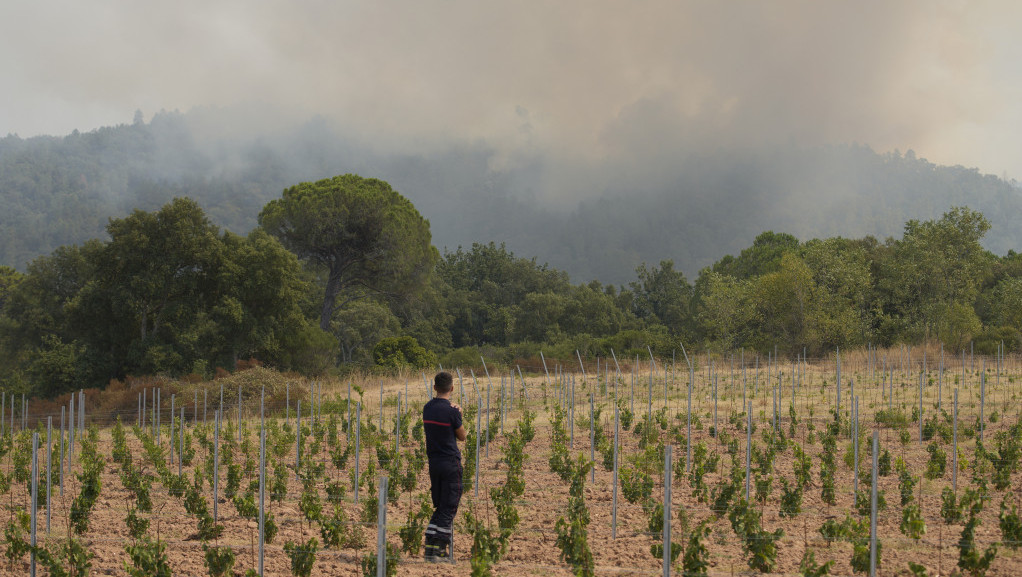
(578, 83)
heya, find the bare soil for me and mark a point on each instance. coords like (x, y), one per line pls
(532, 549)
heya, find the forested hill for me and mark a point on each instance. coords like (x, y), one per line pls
(62, 190)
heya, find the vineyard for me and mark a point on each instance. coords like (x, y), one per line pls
(776, 466)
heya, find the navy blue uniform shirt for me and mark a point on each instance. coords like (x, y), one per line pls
(439, 421)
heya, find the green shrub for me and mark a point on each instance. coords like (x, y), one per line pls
(302, 555)
(912, 523)
(1011, 525)
(392, 555)
(937, 464)
(949, 509)
(148, 559)
(696, 561)
(791, 499)
(572, 529)
(219, 560)
(402, 352)
(808, 567)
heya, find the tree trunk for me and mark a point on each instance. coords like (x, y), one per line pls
(333, 286)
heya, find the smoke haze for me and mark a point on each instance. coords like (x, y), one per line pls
(561, 102)
(575, 81)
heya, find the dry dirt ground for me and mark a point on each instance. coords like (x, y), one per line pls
(532, 549)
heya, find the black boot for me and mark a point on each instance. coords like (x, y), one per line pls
(443, 549)
(430, 549)
(443, 554)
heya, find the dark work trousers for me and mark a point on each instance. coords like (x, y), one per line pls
(445, 476)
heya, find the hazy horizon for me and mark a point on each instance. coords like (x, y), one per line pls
(477, 110)
(577, 84)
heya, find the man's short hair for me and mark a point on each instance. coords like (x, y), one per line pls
(443, 382)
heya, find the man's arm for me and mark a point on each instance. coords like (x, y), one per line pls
(460, 433)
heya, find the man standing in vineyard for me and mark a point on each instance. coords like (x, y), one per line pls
(441, 421)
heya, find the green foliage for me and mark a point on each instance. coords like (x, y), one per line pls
(657, 551)
(727, 312)
(62, 557)
(137, 526)
(468, 469)
(572, 532)
(791, 499)
(884, 463)
(912, 523)
(661, 293)
(726, 490)
(655, 521)
(849, 529)
(697, 558)
(365, 234)
(526, 426)
(332, 528)
(167, 293)
(937, 464)
(233, 480)
(335, 491)
(195, 505)
(370, 509)
(559, 461)
(70, 558)
(606, 450)
(906, 484)
(949, 509)
(1010, 524)
(933, 427)
(89, 479)
(148, 559)
(809, 568)
(760, 545)
(245, 505)
(392, 556)
(948, 262)
(311, 505)
(763, 485)
(120, 453)
(487, 546)
(891, 417)
(269, 527)
(864, 502)
(831, 530)
(625, 417)
(828, 467)
(302, 556)
(636, 485)
(235, 297)
(219, 560)
(860, 556)
(21, 457)
(970, 559)
(278, 484)
(803, 466)
(340, 458)
(503, 497)
(14, 536)
(415, 525)
(170, 293)
(1005, 461)
(703, 462)
(904, 437)
(402, 352)
(763, 460)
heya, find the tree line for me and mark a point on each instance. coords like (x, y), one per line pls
(594, 222)
(341, 275)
